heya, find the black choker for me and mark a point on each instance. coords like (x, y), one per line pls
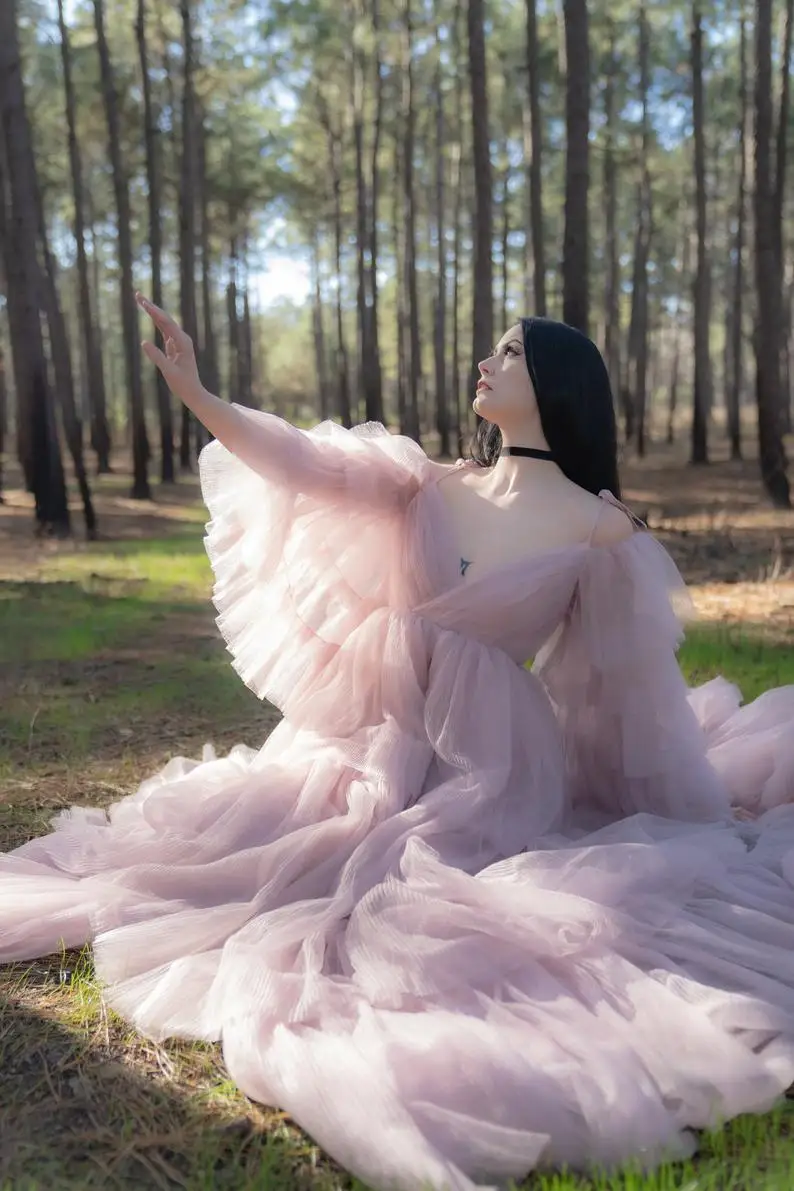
(530, 452)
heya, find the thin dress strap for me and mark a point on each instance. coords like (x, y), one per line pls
(606, 498)
(596, 522)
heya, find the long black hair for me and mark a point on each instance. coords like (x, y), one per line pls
(577, 411)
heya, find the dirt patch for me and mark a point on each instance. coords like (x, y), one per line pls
(734, 550)
(770, 604)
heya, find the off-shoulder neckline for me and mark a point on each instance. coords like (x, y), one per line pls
(585, 547)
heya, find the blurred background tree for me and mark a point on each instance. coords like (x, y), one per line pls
(347, 201)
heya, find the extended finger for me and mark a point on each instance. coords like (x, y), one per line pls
(162, 321)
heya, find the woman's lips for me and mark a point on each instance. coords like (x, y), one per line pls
(483, 385)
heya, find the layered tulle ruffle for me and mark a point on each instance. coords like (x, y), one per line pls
(458, 919)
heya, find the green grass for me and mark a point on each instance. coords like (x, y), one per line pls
(110, 664)
(161, 568)
(112, 648)
(743, 655)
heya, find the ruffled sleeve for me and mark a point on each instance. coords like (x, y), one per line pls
(366, 464)
(305, 540)
(633, 742)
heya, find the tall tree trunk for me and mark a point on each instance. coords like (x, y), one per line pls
(457, 185)
(535, 161)
(781, 158)
(528, 262)
(399, 275)
(233, 318)
(787, 371)
(414, 375)
(333, 136)
(357, 84)
(209, 354)
(734, 388)
(782, 133)
(15, 312)
(342, 368)
(92, 352)
(62, 367)
(129, 314)
(43, 463)
(246, 344)
(153, 178)
(318, 327)
(611, 250)
(701, 403)
(505, 244)
(482, 282)
(638, 330)
(166, 61)
(460, 417)
(96, 278)
(575, 263)
(674, 380)
(714, 172)
(767, 272)
(366, 229)
(684, 256)
(187, 219)
(440, 299)
(170, 74)
(377, 412)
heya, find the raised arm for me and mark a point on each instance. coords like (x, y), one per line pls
(367, 467)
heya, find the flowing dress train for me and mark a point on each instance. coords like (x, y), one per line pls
(460, 919)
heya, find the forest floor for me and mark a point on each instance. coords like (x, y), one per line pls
(110, 663)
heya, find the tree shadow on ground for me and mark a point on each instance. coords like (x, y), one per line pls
(88, 1104)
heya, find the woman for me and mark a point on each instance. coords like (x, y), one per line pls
(459, 919)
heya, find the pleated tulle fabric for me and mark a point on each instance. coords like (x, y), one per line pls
(461, 919)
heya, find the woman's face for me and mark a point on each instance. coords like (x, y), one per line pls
(504, 394)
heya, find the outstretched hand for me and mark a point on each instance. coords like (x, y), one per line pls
(178, 362)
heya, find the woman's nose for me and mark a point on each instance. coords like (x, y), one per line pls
(482, 367)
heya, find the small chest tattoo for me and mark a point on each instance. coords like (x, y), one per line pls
(465, 563)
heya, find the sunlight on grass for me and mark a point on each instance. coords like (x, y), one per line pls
(66, 723)
(740, 655)
(66, 622)
(114, 649)
(175, 567)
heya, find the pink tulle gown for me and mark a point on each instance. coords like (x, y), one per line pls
(459, 919)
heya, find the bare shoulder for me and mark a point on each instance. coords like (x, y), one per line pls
(595, 519)
(613, 525)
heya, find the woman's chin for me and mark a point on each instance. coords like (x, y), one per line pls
(485, 406)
